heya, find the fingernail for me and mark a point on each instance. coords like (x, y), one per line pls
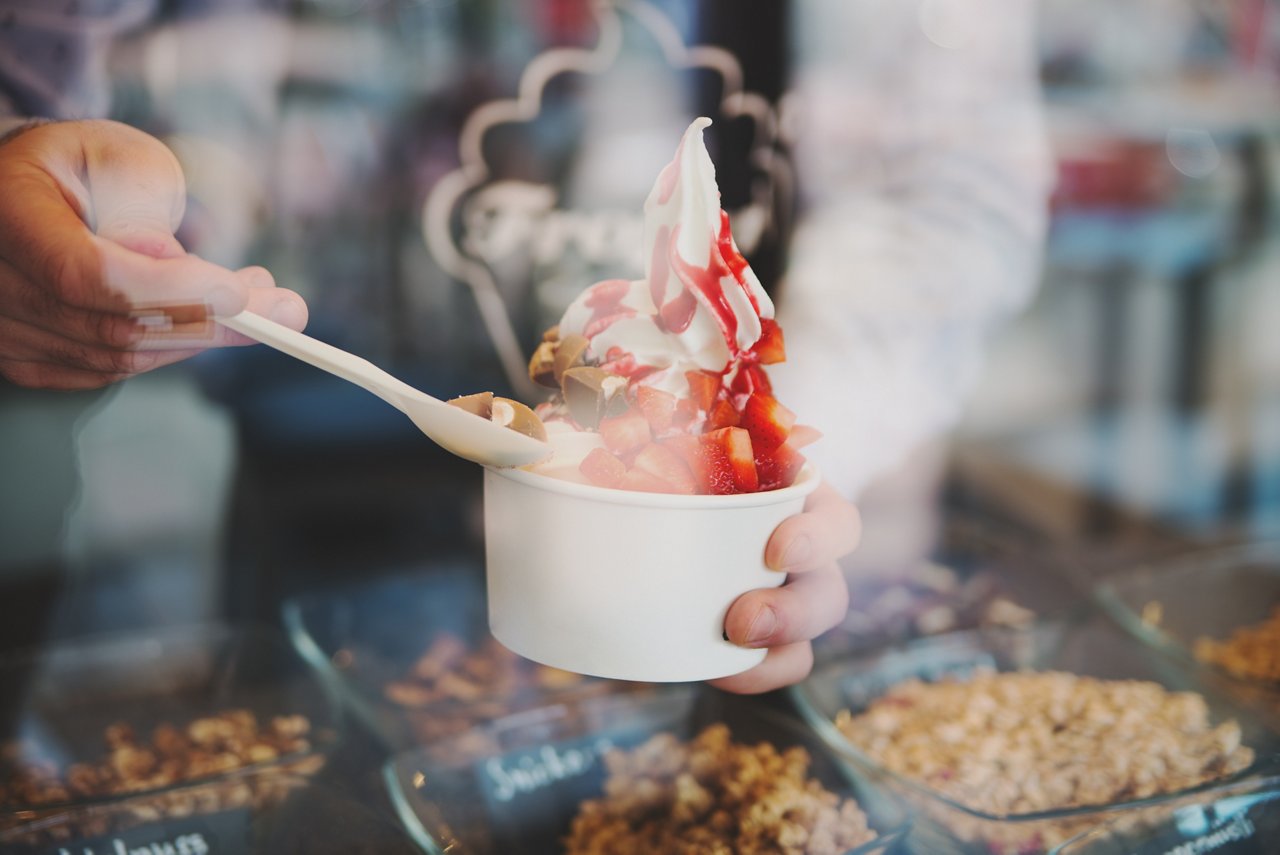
(224, 302)
(798, 552)
(288, 312)
(762, 628)
(256, 277)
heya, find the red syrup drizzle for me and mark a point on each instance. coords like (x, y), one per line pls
(704, 284)
(605, 301)
(624, 363)
(675, 315)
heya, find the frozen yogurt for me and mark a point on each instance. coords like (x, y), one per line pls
(659, 384)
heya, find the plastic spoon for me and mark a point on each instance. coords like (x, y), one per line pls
(454, 429)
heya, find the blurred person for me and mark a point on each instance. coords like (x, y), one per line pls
(921, 238)
(925, 161)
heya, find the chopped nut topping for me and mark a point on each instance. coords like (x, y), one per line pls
(451, 688)
(713, 795)
(1251, 652)
(207, 746)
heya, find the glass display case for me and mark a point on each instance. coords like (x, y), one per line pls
(544, 764)
(144, 733)
(412, 657)
(1031, 800)
(1215, 610)
(1234, 819)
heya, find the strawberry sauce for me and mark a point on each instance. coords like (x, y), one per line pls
(704, 284)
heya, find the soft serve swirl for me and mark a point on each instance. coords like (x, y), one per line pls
(699, 304)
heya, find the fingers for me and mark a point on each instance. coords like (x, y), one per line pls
(279, 304)
(171, 327)
(28, 344)
(814, 598)
(782, 667)
(59, 377)
(25, 302)
(54, 251)
(828, 530)
(147, 282)
(806, 606)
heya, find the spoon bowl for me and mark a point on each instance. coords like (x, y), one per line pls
(467, 435)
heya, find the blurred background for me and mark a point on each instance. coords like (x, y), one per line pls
(337, 143)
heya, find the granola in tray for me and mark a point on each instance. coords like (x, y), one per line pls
(1017, 743)
(156, 768)
(1020, 742)
(452, 687)
(1251, 652)
(713, 796)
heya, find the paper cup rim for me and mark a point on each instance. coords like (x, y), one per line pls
(806, 482)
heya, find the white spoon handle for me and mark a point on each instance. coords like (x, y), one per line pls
(326, 357)
(466, 435)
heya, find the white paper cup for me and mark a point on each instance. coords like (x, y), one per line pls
(622, 584)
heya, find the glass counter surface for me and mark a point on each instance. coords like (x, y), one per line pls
(425, 690)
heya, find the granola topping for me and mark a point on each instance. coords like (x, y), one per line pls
(1011, 743)
(713, 796)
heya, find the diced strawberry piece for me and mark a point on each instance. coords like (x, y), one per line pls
(769, 348)
(722, 415)
(736, 444)
(703, 388)
(645, 482)
(662, 462)
(750, 378)
(802, 435)
(778, 467)
(768, 422)
(686, 413)
(625, 433)
(706, 460)
(624, 364)
(602, 468)
(675, 314)
(658, 407)
(719, 469)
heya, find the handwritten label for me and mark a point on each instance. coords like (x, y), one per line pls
(513, 775)
(183, 844)
(531, 795)
(225, 833)
(1239, 829)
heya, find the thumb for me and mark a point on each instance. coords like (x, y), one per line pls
(135, 188)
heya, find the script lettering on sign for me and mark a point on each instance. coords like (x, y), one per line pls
(509, 776)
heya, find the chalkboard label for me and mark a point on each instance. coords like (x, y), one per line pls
(225, 833)
(1233, 836)
(1247, 824)
(532, 794)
